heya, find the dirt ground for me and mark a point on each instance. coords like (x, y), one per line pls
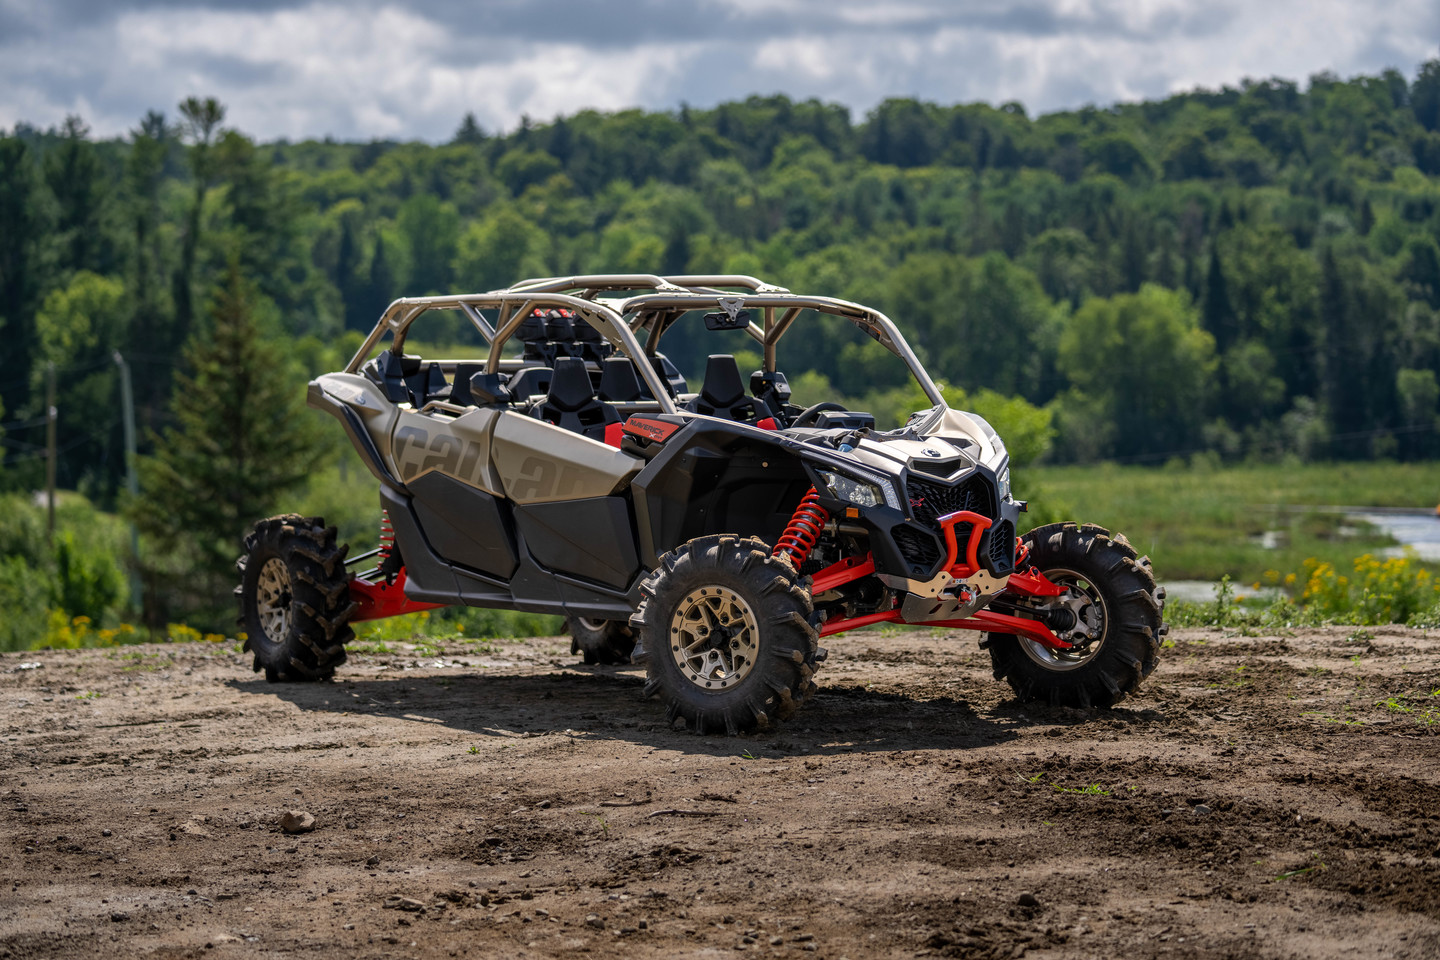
(1263, 796)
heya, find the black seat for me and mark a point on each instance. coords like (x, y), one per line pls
(588, 343)
(531, 334)
(723, 393)
(488, 389)
(426, 383)
(559, 332)
(460, 390)
(771, 389)
(572, 404)
(674, 379)
(619, 382)
(530, 382)
(391, 373)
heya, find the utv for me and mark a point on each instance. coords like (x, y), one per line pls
(714, 536)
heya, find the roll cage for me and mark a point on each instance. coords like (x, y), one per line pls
(654, 303)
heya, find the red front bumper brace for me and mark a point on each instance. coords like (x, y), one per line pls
(1029, 582)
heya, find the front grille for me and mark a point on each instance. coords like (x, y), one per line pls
(931, 501)
(919, 549)
(1001, 550)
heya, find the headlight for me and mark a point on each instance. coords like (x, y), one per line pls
(863, 493)
(1002, 477)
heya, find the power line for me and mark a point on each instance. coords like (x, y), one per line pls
(77, 368)
(73, 443)
(24, 424)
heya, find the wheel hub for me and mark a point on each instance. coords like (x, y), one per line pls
(1078, 616)
(714, 637)
(273, 599)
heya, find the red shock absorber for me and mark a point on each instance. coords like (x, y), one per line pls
(387, 546)
(803, 530)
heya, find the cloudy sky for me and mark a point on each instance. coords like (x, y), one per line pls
(368, 68)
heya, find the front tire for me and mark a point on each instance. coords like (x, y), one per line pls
(294, 598)
(725, 636)
(601, 641)
(1116, 607)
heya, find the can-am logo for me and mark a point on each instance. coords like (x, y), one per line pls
(917, 502)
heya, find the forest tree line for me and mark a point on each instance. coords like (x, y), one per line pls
(1251, 272)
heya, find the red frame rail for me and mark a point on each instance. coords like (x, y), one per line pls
(376, 601)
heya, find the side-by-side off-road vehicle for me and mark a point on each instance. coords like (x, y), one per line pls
(715, 535)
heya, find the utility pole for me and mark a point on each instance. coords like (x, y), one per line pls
(132, 481)
(50, 417)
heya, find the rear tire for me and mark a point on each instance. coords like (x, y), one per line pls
(601, 641)
(1106, 582)
(294, 598)
(725, 636)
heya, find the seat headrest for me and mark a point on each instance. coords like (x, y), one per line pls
(585, 333)
(405, 365)
(531, 329)
(570, 389)
(722, 386)
(560, 328)
(619, 382)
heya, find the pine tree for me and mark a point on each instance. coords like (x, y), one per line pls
(202, 124)
(23, 228)
(1219, 315)
(1343, 353)
(73, 173)
(240, 443)
(1134, 256)
(381, 288)
(469, 131)
(151, 308)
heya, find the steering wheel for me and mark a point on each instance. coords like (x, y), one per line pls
(809, 414)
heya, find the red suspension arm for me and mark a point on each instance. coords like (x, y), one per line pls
(376, 601)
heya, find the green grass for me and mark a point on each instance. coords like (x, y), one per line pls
(1196, 523)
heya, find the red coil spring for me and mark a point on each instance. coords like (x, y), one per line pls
(804, 529)
(387, 536)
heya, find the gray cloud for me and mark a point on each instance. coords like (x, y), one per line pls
(375, 68)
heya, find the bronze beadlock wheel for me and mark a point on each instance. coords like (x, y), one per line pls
(725, 635)
(714, 638)
(273, 598)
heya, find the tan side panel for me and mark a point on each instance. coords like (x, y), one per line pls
(539, 462)
(364, 397)
(458, 447)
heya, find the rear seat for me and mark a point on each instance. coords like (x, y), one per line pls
(531, 382)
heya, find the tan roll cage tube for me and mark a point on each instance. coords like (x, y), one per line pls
(654, 312)
(513, 308)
